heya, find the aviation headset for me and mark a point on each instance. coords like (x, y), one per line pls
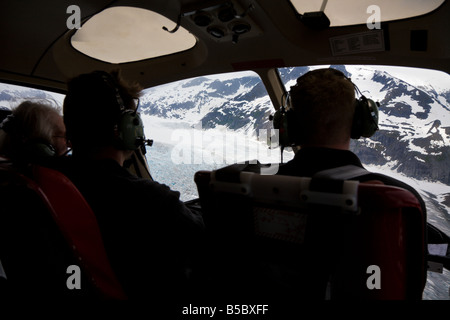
(129, 123)
(365, 119)
(35, 148)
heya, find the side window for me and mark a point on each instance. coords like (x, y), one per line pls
(414, 121)
(413, 143)
(206, 123)
(12, 95)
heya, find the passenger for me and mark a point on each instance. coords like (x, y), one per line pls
(33, 132)
(323, 104)
(150, 236)
(322, 124)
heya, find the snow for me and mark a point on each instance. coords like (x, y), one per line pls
(431, 79)
(220, 146)
(436, 188)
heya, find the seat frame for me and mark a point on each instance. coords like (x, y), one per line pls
(295, 225)
(74, 219)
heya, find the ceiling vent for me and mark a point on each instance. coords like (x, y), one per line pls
(224, 22)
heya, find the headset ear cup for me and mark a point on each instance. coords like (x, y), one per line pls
(290, 132)
(371, 114)
(356, 124)
(294, 128)
(365, 119)
(280, 124)
(130, 130)
(37, 150)
(45, 150)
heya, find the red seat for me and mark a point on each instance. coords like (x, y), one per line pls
(79, 225)
(33, 252)
(276, 236)
(74, 218)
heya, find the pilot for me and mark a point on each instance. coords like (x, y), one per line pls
(151, 237)
(33, 132)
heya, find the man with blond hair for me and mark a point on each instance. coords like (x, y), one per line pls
(323, 117)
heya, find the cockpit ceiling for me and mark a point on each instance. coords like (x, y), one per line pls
(40, 49)
(126, 34)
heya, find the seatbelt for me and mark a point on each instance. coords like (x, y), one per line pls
(2, 271)
(341, 173)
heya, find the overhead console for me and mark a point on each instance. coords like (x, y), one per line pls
(225, 21)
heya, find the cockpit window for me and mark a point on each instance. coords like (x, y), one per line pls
(350, 12)
(413, 140)
(126, 34)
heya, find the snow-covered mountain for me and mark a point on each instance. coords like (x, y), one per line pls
(12, 95)
(237, 103)
(414, 135)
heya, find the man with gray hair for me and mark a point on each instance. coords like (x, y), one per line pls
(32, 132)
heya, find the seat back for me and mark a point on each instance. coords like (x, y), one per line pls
(78, 224)
(47, 227)
(33, 252)
(298, 237)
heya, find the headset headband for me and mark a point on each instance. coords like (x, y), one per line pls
(111, 83)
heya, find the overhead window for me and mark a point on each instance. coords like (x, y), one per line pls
(126, 34)
(350, 12)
